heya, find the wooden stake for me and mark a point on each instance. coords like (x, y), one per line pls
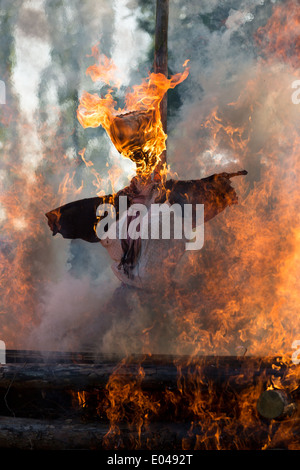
(161, 59)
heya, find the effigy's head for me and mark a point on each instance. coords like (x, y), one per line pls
(136, 130)
(139, 136)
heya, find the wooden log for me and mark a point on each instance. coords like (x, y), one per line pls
(161, 60)
(43, 435)
(176, 425)
(33, 434)
(274, 404)
(54, 376)
(159, 372)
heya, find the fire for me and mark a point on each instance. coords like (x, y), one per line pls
(67, 187)
(280, 37)
(136, 130)
(127, 402)
(246, 298)
(105, 70)
(80, 398)
(20, 228)
(236, 136)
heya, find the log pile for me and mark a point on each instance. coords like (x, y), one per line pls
(77, 401)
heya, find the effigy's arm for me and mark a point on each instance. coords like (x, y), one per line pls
(77, 219)
(215, 192)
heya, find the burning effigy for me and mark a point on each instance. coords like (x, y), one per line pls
(182, 336)
(137, 133)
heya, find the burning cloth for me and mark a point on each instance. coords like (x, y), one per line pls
(144, 263)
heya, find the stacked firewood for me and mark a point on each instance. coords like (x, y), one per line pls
(77, 401)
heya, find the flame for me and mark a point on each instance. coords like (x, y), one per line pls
(127, 402)
(104, 70)
(80, 398)
(249, 274)
(245, 297)
(24, 195)
(68, 187)
(136, 130)
(280, 37)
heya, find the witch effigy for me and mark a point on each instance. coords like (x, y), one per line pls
(145, 266)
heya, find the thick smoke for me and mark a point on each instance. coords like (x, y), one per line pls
(234, 107)
(237, 113)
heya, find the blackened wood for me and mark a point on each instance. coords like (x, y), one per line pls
(32, 434)
(160, 372)
(161, 59)
(161, 49)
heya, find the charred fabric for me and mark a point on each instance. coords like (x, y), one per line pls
(79, 219)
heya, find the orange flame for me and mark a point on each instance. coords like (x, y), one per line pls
(280, 37)
(105, 70)
(136, 130)
(80, 398)
(125, 393)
